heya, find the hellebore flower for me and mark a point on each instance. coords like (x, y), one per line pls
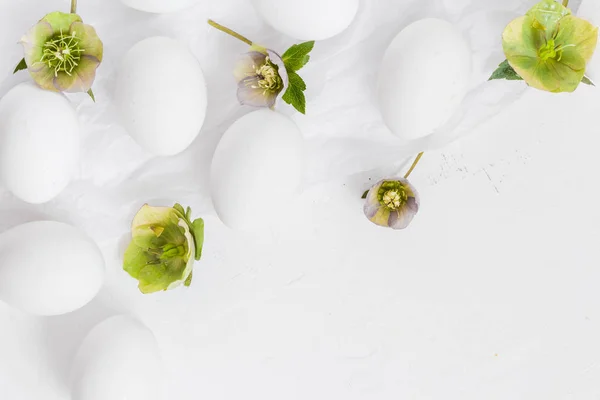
(263, 74)
(62, 53)
(261, 77)
(392, 203)
(549, 48)
(165, 244)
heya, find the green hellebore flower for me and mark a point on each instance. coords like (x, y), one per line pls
(392, 203)
(62, 53)
(165, 243)
(550, 48)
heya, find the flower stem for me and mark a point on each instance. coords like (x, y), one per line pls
(414, 164)
(565, 3)
(227, 31)
(73, 6)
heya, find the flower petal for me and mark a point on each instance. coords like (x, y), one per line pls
(43, 76)
(61, 22)
(579, 38)
(33, 42)
(250, 94)
(519, 39)
(547, 14)
(82, 77)
(88, 40)
(248, 64)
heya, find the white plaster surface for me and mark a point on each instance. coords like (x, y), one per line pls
(492, 293)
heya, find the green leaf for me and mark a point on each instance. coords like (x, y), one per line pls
(505, 71)
(20, 66)
(587, 81)
(294, 94)
(198, 234)
(297, 56)
(91, 94)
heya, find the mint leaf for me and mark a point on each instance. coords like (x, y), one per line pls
(297, 56)
(294, 94)
(20, 66)
(505, 71)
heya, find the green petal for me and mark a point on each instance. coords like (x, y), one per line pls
(135, 259)
(154, 227)
(43, 76)
(61, 22)
(154, 278)
(520, 39)
(578, 37)
(33, 42)
(88, 40)
(82, 77)
(547, 15)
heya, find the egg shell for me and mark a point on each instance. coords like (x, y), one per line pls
(39, 143)
(257, 170)
(590, 10)
(308, 19)
(118, 360)
(159, 6)
(49, 268)
(161, 95)
(424, 78)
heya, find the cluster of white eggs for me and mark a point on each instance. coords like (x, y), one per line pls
(50, 268)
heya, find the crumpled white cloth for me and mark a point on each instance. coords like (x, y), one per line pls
(343, 128)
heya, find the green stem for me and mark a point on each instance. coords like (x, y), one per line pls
(410, 170)
(413, 166)
(566, 3)
(73, 6)
(227, 31)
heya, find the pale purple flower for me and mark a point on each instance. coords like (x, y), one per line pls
(261, 77)
(392, 203)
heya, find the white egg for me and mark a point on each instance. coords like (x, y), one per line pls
(308, 19)
(118, 360)
(424, 78)
(257, 170)
(39, 143)
(159, 6)
(590, 10)
(49, 268)
(161, 95)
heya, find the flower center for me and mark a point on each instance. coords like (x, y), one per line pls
(268, 75)
(394, 199)
(62, 53)
(551, 51)
(548, 50)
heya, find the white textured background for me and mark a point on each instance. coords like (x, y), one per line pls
(491, 294)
